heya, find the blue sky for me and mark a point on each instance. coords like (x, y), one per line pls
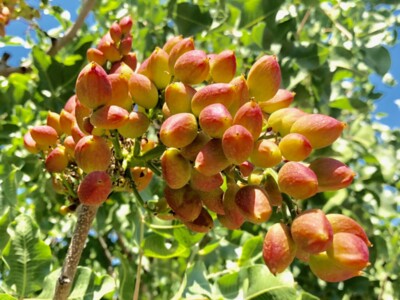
(387, 104)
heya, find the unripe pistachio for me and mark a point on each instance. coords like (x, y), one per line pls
(77, 133)
(213, 200)
(276, 118)
(203, 223)
(109, 48)
(57, 160)
(211, 159)
(143, 91)
(237, 144)
(94, 188)
(254, 204)
(282, 99)
(125, 46)
(130, 60)
(233, 218)
(109, 117)
(223, 93)
(53, 120)
(81, 112)
(190, 151)
(241, 94)
(250, 116)
(264, 78)
(342, 223)
(179, 130)
(327, 269)
(126, 24)
(278, 248)
(178, 97)
(71, 104)
(192, 67)
(185, 202)
(156, 68)
(176, 170)
(266, 154)
(349, 251)
(136, 125)
(295, 147)
(120, 91)
(320, 130)
(141, 176)
(44, 135)
(67, 121)
(272, 189)
(311, 231)
(171, 43)
(201, 182)
(214, 119)
(297, 181)
(246, 168)
(92, 153)
(115, 32)
(70, 145)
(95, 55)
(223, 66)
(30, 144)
(332, 174)
(181, 47)
(93, 88)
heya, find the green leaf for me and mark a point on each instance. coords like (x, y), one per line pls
(251, 248)
(197, 283)
(191, 20)
(4, 222)
(186, 237)
(378, 58)
(156, 246)
(126, 276)
(7, 297)
(257, 34)
(27, 255)
(256, 282)
(9, 188)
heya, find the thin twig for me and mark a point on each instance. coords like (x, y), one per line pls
(303, 22)
(87, 6)
(86, 215)
(107, 253)
(139, 266)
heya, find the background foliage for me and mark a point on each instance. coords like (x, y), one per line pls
(327, 51)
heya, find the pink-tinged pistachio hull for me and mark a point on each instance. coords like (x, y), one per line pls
(282, 99)
(141, 176)
(265, 154)
(190, 151)
(320, 130)
(70, 145)
(349, 250)
(213, 200)
(67, 121)
(250, 116)
(279, 248)
(181, 47)
(282, 120)
(241, 93)
(272, 189)
(30, 144)
(82, 112)
(211, 159)
(332, 174)
(44, 135)
(93, 88)
(246, 168)
(329, 270)
(237, 144)
(143, 92)
(95, 55)
(223, 66)
(233, 218)
(201, 182)
(130, 59)
(94, 188)
(92, 153)
(203, 223)
(176, 170)
(192, 67)
(297, 181)
(295, 147)
(179, 130)
(342, 223)
(57, 160)
(178, 97)
(53, 120)
(109, 48)
(136, 125)
(120, 91)
(264, 78)
(215, 119)
(109, 117)
(254, 204)
(312, 232)
(156, 68)
(223, 93)
(167, 47)
(185, 202)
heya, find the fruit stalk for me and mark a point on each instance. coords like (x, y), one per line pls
(86, 215)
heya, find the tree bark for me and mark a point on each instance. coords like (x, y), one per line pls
(86, 215)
